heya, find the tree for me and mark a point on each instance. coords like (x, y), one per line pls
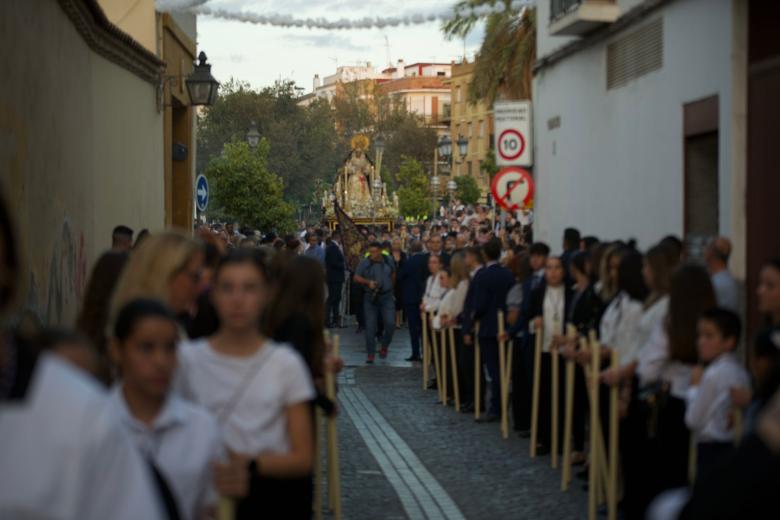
(467, 190)
(303, 140)
(414, 193)
(489, 166)
(245, 190)
(505, 60)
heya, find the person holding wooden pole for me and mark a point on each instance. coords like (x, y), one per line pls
(434, 292)
(451, 307)
(571, 335)
(490, 287)
(334, 473)
(468, 360)
(549, 305)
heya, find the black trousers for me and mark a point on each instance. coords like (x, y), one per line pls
(489, 352)
(522, 373)
(466, 373)
(333, 303)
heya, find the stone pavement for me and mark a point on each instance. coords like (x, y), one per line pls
(405, 456)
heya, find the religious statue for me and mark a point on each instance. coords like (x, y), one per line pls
(358, 189)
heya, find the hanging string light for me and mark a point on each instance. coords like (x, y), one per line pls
(289, 21)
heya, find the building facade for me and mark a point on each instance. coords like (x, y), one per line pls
(642, 112)
(472, 121)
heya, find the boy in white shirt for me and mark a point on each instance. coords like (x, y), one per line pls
(708, 399)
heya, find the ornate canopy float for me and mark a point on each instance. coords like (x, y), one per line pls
(359, 190)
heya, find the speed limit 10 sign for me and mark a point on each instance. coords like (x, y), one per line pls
(512, 188)
(513, 128)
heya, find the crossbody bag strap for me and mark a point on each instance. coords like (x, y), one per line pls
(249, 376)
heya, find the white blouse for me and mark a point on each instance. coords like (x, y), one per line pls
(619, 327)
(434, 292)
(553, 314)
(655, 366)
(258, 388)
(452, 303)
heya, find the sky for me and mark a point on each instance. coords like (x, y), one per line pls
(261, 54)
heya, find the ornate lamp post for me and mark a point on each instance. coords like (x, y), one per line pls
(376, 192)
(253, 136)
(201, 85)
(435, 193)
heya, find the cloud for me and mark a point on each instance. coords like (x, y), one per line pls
(334, 41)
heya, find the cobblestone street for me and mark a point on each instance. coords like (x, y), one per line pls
(405, 456)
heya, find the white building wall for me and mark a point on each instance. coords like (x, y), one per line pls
(614, 167)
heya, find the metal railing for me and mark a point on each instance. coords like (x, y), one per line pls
(560, 8)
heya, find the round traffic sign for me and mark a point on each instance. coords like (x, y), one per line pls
(511, 144)
(512, 188)
(201, 193)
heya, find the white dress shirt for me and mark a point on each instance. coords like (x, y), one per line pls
(452, 302)
(650, 318)
(619, 327)
(64, 455)
(434, 292)
(183, 442)
(553, 315)
(655, 366)
(709, 403)
(273, 378)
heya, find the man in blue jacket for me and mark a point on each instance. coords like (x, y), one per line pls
(412, 285)
(491, 285)
(334, 277)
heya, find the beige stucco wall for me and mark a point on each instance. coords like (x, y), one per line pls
(80, 151)
(135, 17)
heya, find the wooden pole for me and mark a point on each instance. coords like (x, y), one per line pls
(554, 393)
(503, 383)
(454, 358)
(436, 364)
(692, 460)
(737, 426)
(535, 391)
(426, 352)
(477, 375)
(443, 339)
(226, 510)
(508, 378)
(568, 412)
(594, 432)
(612, 458)
(318, 464)
(334, 482)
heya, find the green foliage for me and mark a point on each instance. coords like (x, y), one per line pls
(246, 190)
(489, 166)
(468, 191)
(507, 54)
(414, 193)
(303, 140)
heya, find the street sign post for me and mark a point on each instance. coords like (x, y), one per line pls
(512, 188)
(513, 133)
(201, 193)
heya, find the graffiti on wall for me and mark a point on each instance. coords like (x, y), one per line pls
(67, 278)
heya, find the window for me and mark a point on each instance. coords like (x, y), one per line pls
(635, 54)
(440, 73)
(469, 168)
(481, 129)
(457, 94)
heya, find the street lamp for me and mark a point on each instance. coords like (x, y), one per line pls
(445, 148)
(376, 193)
(451, 187)
(435, 192)
(253, 136)
(201, 85)
(463, 146)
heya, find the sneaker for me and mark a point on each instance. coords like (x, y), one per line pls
(383, 352)
(370, 359)
(413, 358)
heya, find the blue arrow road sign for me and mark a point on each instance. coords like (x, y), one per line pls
(201, 193)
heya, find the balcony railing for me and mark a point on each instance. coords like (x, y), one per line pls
(560, 8)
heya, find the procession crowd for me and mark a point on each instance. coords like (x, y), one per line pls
(196, 364)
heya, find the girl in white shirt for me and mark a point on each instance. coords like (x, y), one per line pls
(179, 440)
(259, 391)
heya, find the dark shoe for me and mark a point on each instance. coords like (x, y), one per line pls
(584, 474)
(413, 358)
(383, 352)
(370, 359)
(489, 418)
(466, 408)
(524, 434)
(432, 385)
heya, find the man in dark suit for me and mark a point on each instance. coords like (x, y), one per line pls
(571, 244)
(412, 284)
(523, 362)
(334, 277)
(491, 285)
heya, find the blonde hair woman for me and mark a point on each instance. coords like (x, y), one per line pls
(167, 266)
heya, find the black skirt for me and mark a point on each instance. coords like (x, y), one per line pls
(274, 498)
